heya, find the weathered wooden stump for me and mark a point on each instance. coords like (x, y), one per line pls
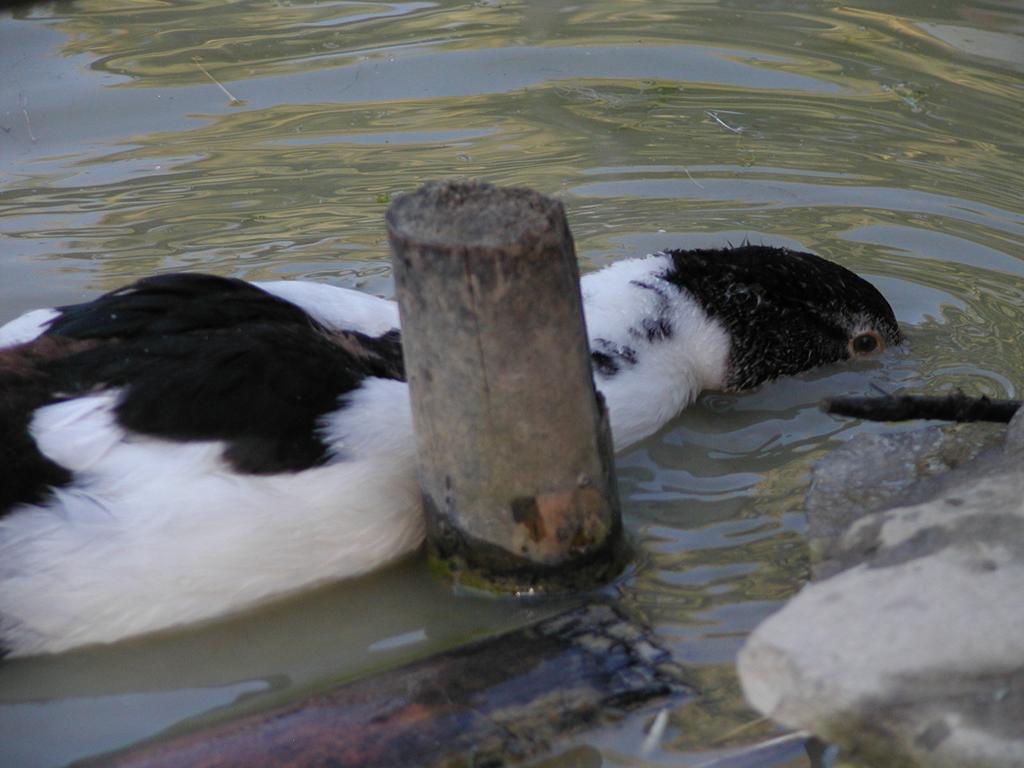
(515, 453)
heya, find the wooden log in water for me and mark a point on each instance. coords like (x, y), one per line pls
(490, 703)
(514, 449)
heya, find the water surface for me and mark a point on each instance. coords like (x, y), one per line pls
(883, 135)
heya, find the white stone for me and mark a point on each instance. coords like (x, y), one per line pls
(916, 653)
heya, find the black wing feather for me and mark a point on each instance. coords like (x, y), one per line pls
(26, 475)
(197, 357)
(172, 304)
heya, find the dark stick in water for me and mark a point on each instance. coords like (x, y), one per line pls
(954, 407)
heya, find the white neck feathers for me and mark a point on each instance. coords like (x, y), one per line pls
(661, 348)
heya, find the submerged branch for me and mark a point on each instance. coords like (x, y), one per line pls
(501, 699)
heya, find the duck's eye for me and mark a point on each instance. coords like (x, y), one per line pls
(865, 343)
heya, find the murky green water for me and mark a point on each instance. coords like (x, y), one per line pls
(884, 135)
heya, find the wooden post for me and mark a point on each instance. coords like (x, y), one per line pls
(515, 453)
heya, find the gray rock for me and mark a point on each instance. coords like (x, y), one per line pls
(876, 472)
(911, 652)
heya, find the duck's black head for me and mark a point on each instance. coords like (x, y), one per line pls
(785, 311)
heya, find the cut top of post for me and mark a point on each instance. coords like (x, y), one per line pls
(479, 216)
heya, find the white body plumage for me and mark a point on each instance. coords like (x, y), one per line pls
(154, 533)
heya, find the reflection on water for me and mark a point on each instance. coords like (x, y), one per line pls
(888, 140)
(110, 720)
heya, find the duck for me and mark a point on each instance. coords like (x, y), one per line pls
(191, 446)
